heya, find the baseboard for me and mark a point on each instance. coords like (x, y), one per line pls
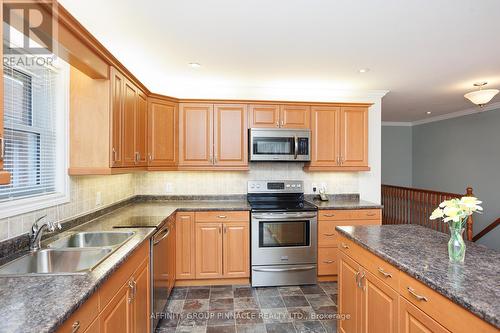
(212, 282)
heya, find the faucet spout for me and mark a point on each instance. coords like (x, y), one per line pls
(37, 231)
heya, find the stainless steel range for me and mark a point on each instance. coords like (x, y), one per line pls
(284, 234)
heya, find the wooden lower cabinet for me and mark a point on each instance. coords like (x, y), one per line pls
(236, 249)
(379, 305)
(208, 250)
(412, 320)
(185, 261)
(122, 304)
(117, 315)
(349, 298)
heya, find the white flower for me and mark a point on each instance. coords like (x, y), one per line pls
(438, 213)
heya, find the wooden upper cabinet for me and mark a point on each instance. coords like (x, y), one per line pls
(264, 116)
(230, 135)
(325, 145)
(208, 250)
(295, 116)
(379, 306)
(117, 99)
(163, 133)
(129, 124)
(185, 267)
(196, 134)
(141, 129)
(236, 250)
(354, 136)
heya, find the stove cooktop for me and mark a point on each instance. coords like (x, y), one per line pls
(282, 206)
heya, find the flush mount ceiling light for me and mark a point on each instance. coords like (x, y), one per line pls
(481, 97)
(428, 112)
(194, 65)
(364, 70)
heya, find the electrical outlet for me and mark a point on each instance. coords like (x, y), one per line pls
(98, 199)
(314, 187)
(169, 188)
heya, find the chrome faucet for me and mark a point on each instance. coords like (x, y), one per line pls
(36, 232)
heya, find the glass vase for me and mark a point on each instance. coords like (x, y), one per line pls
(456, 245)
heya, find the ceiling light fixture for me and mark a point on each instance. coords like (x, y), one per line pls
(194, 65)
(429, 112)
(364, 70)
(481, 97)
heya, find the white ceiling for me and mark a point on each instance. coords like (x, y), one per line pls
(427, 53)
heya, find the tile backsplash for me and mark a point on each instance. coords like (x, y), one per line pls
(120, 187)
(231, 182)
(83, 192)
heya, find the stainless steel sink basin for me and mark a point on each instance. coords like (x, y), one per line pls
(56, 261)
(92, 239)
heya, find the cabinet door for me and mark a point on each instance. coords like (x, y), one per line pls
(141, 299)
(230, 135)
(129, 124)
(185, 246)
(236, 251)
(141, 126)
(163, 133)
(354, 136)
(264, 116)
(208, 250)
(413, 320)
(379, 306)
(349, 297)
(196, 134)
(295, 116)
(117, 99)
(325, 136)
(117, 315)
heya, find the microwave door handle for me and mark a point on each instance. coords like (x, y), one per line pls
(296, 147)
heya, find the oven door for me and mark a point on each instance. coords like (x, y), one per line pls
(284, 238)
(279, 145)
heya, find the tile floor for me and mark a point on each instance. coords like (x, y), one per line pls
(228, 309)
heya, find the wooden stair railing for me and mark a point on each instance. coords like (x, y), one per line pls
(406, 205)
(489, 228)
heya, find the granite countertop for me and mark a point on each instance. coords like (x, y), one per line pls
(423, 254)
(342, 201)
(42, 303)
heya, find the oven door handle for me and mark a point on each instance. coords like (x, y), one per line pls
(165, 231)
(295, 269)
(283, 217)
(296, 148)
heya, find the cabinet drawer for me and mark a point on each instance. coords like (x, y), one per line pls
(83, 317)
(327, 261)
(452, 316)
(221, 216)
(327, 235)
(358, 214)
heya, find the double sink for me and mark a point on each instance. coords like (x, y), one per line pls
(77, 253)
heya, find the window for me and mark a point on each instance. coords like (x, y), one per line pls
(35, 98)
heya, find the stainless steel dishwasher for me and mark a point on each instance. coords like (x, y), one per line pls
(160, 269)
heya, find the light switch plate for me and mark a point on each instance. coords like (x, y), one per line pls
(98, 199)
(169, 188)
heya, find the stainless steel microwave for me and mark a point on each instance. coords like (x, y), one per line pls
(280, 144)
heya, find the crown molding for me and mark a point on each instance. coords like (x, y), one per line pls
(451, 115)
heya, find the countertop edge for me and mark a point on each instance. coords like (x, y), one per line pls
(460, 302)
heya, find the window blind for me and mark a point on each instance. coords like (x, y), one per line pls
(30, 131)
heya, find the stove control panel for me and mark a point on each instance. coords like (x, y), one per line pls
(275, 186)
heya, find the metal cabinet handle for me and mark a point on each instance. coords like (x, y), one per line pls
(277, 124)
(135, 288)
(220, 230)
(225, 229)
(328, 215)
(296, 148)
(344, 246)
(282, 123)
(329, 235)
(222, 216)
(150, 157)
(360, 285)
(184, 217)
(417, 296)
(328, 261)
(371, 214)
(114, 154)
(294, 269)
(356, 278)
(166, 231)
(131, 291)
(384, 273)
(75, 327)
